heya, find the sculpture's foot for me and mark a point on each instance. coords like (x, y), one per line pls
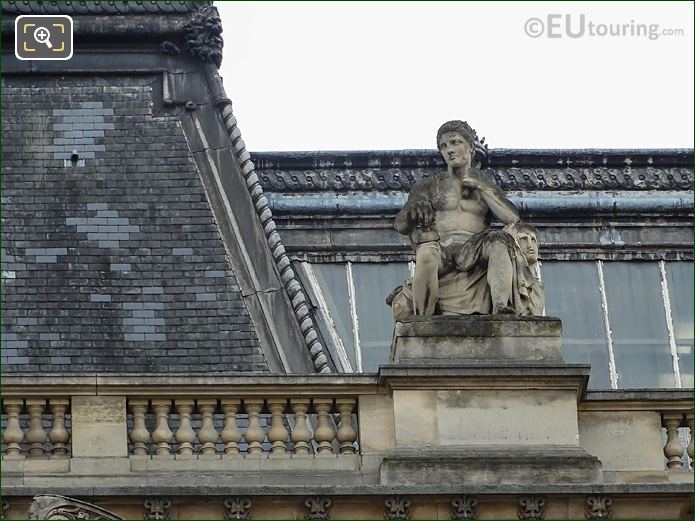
(503, 310)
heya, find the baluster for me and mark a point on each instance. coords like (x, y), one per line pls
(277, 435)
(231, 434)
(300, 434)
(254, 432)
(689, 422)
(139, 435)
(162, 435)
(673, 450)
(185, 434)
(59, 435)
(346, 431)
(208, 434)
(13, 435)
(36, 435)
(324, 431)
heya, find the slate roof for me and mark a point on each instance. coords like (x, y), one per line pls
(116, 264)
(155, 250)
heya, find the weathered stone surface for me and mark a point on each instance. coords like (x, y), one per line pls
(451, 339)
(99, 426)
(490, 415)
(616, 437)
(376, 423)
(497, 465)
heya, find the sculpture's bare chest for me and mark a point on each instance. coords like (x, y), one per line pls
(447, 196)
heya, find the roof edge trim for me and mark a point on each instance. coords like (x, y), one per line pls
(298, 299)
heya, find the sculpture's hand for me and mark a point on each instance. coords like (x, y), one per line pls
(471, 180)
(421, 213)
(511, 229)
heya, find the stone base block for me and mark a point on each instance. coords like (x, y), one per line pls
(450, 339)
(499, 465)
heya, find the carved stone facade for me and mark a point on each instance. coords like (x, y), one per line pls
(397, 507)
(151, 436)
(531, 507)
(464, 507)
(157, 508)
(237, 508)
(599, 507)
(318, 507)
(60, 507)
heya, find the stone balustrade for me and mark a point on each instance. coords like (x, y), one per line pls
(617, 425)
(234, 427)
(320, 446)
(183, 417)
(272, 416)
(674, 449)
(36, 428)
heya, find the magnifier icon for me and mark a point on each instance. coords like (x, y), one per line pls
(42, 35)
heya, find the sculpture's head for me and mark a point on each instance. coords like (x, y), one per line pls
(527, 237)
(456, 142)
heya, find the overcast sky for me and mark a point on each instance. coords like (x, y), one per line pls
(385, 75)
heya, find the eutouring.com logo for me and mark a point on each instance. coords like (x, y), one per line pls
(43, 37)
(579, 26)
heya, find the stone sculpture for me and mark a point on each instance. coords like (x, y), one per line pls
(462, 266)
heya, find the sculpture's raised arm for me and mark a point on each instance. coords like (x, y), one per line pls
(494, 197)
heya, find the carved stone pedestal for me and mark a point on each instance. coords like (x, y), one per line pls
(485, 400)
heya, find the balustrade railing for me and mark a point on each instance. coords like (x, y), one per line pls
(279, 416)
(36, 428)
(675, 423)
(184, 416)
(249, 426)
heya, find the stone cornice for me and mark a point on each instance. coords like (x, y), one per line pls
(668, 169)
(498, 157)
(227, 489)
(188, 384)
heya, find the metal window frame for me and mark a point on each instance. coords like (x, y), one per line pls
(326, 315)
(352, 300)
(612, 369)
(666, 298)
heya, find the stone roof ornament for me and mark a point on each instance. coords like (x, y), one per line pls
(202, 36)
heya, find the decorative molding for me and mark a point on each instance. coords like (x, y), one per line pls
(118, 7)
(318, 507)
(599, 507)
(61, 507)
(349, 179)
(157, 508)
(237, 508)
(294, 289)
(464, 507)
(498, 158)
(397, 507)
(202, 35)
(531, 507)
